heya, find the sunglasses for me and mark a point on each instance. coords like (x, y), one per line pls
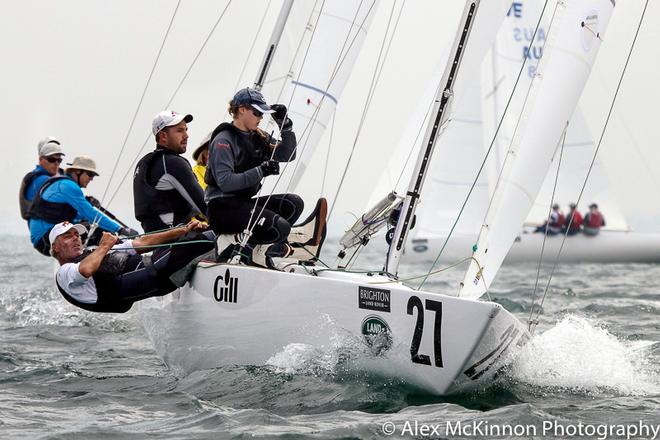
(256, 112)
(54, 159)
(89, 174)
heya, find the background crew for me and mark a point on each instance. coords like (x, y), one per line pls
(593, 220)
(50, 158)
(61, 199)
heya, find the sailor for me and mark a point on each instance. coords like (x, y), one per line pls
(593, 220)
(50, 158)
(111, 277)
(201, 158)
(573, 221)
(165, 191)
(61, 199)
(240, 155)
(556, 223)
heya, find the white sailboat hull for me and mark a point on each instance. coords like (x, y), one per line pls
(606, 247)
(261, 314)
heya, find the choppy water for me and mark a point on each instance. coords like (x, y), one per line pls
(591, 368)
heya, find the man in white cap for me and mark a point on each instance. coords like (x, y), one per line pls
(111, 277)
(165, 192)
(61, 199)
(50, 157)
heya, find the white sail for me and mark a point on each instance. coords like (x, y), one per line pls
(570, 50)
(519, 39)
(314, 58)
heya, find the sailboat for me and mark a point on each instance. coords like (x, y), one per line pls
(481, 112)
(441, 343)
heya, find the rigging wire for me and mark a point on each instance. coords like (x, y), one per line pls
(340, 61)
(342, 57)
(249, 53)
(139, 106)
(547, 226)
(176, 91)
(593, 160)
(327, 156)
(490, 147)
(98, 215)
(372, 88)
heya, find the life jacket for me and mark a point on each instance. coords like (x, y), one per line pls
(594, 220)
(52, 212)
(576, 222)
(250, 154)
(24, 203)
(107, 285)
(147, 200)
(559, 222)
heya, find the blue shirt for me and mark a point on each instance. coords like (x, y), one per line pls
(40, 179)
(67, 191)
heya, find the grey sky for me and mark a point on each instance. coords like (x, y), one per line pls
(75, 69)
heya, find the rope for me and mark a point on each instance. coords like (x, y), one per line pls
(490, 147)
(372, 89)
(176, 91)
(593, 160)
(547, 226)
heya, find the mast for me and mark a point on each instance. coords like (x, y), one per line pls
(272, 44)
(440, 114)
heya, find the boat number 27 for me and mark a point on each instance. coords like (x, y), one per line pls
(436, 306)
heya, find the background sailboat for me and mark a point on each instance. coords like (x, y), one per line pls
(480, 113)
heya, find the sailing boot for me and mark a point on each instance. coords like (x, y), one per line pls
(268, 255)
(226, 246)
(307, 237)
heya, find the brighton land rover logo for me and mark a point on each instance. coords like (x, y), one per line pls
(225, 289)
(377, 334)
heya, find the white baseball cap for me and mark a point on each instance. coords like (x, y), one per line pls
(62, 228)
(168, 118)
(46, 140)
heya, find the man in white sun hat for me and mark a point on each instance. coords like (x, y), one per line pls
(165, 191)
(111, 277)
(61, 199)
(50, 157)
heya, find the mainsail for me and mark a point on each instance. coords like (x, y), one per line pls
(573, 39)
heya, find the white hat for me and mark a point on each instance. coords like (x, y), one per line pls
(83, 163)
(168, 118)
(45, 141)
(49, 146)
(62, 228)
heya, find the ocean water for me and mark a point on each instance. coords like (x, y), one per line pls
(592, 370)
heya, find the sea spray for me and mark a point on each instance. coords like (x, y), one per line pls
(578, 354)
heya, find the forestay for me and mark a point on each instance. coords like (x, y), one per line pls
(572, 43)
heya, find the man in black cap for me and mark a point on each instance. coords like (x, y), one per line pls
(240, 156)
(165, 192)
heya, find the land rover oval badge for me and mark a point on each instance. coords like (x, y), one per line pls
(377, 334)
